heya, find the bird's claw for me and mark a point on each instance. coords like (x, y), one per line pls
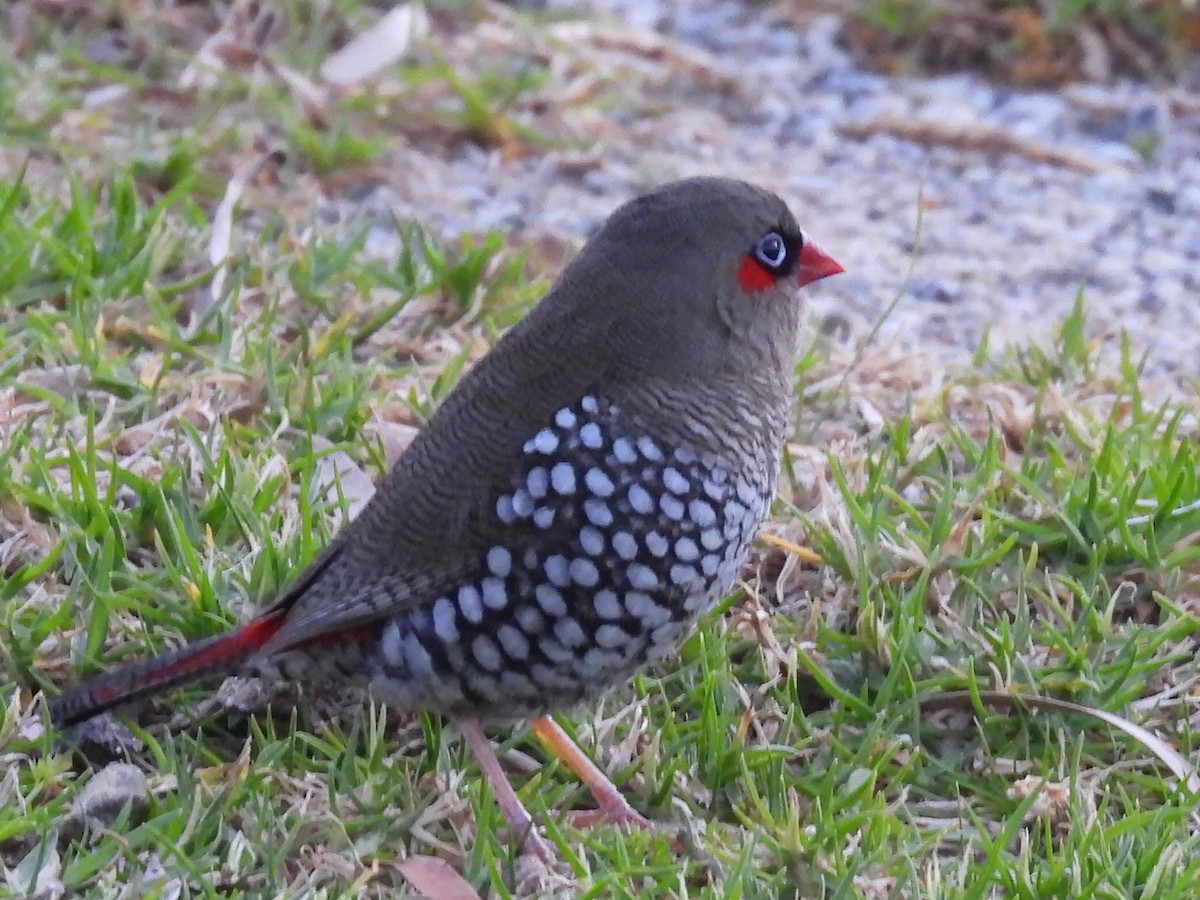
(622, 815)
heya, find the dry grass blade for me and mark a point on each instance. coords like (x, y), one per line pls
(247, 29)
(222, 228)
(1171, 758)
(977, 138)
(309, 97)
(685, 58)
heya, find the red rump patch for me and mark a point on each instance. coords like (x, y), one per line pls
(251, 637)
(236, 645)
(753, 275)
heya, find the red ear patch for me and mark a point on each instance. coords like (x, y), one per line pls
(753, 275)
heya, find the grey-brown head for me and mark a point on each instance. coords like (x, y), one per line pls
(694, 277)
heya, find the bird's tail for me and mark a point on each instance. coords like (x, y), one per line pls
(221, 654)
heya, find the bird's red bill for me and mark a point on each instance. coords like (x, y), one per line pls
(815, 264)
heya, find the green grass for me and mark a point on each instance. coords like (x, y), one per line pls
(1025, 524)
(1028, 42)
(906, 17)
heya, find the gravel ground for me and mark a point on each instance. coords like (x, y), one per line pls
(1022, 198)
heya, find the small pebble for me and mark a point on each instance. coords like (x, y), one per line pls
(102, 799)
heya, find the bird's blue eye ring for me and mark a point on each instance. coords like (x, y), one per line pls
(772, 251)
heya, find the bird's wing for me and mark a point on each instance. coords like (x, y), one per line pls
(339, 613)
(428, 526)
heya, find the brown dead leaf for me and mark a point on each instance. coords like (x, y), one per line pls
(1039, 60)
(1189, 28)
(436, 879)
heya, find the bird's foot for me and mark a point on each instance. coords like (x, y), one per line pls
(623, 816)
(620, 814)
(611, 806)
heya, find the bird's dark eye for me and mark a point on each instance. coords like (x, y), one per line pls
(772, 251)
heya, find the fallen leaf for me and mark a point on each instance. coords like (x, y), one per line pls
(338, 474)
(436, 878)
(381, 45)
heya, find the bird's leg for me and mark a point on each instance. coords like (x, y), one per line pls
(510, 804)
(611, 805)
(809, 556)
